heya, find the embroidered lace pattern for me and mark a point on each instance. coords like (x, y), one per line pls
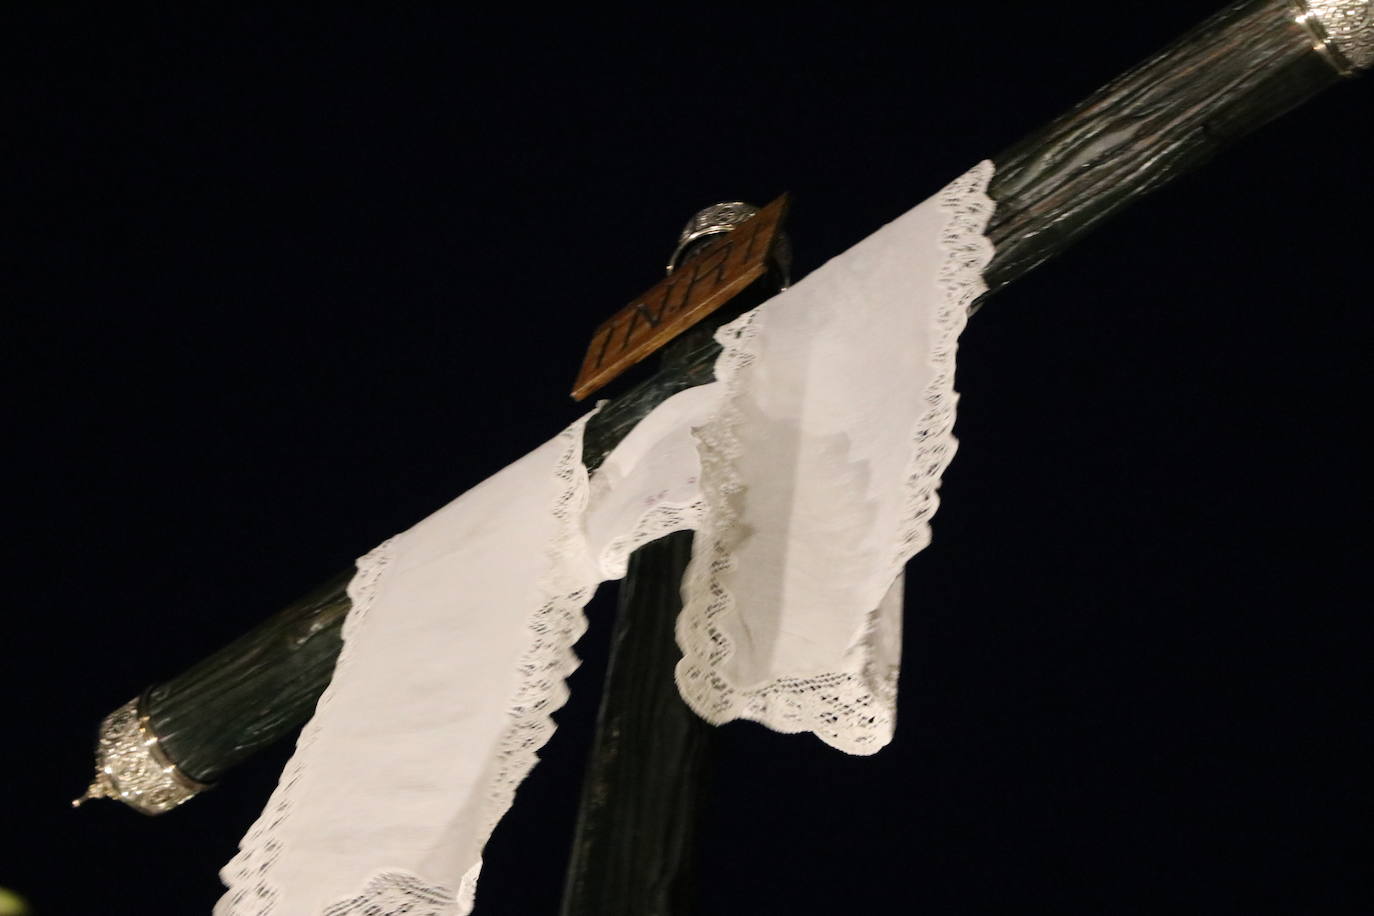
(548, 660)
(854, 712)
(396, 894)
(248, 875)
(967, 252)
(659, 521)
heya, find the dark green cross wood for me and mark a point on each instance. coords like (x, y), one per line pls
(1236, 71)
(1233, 73)
(634, 849)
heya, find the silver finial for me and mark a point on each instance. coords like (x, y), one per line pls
(723, 217)
(1342, 30)
(713, 220)
(131, 767)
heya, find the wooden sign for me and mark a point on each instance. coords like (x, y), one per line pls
(722, 269)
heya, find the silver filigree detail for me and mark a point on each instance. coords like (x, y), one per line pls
(721, 218)
(131, 767)
(1342, 30)
(713, 220)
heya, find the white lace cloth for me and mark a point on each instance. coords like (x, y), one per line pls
(820, 471)
(809, 471)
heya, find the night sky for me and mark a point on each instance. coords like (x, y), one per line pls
(278, 285)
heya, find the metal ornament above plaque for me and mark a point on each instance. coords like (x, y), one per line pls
(722, 269)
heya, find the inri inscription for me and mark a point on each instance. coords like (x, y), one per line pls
(723, 268)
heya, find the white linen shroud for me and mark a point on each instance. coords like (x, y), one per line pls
(809, 471)
(455, 654)
(399, 776)
(820, 472)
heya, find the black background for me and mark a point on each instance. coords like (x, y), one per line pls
(282, 283)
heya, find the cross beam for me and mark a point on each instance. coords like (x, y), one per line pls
(1236, 71)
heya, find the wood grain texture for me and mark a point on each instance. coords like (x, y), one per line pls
(649, 767)
(254, 690)
(1231, 74)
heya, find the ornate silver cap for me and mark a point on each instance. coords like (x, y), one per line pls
(131, 767)
(721, 218)
(1342, 31)
(716, 219)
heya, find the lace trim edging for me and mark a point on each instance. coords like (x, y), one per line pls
(548, 660)
(660, 521)
(852, 712)
(248, 875)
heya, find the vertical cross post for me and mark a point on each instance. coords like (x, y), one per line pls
(649, 768)
(634, 849)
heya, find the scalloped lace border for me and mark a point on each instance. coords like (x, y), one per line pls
(548, 660)
(852, 712)
(248, 875)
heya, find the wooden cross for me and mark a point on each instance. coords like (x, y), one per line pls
(1235, 72)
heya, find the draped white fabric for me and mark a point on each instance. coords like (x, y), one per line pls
(819, 471)
(809, 471)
